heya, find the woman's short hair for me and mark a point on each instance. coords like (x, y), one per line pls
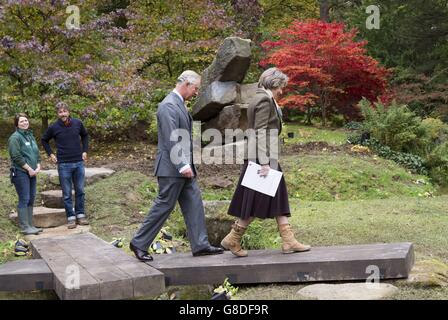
(272, 78)
(61, 105)
(18, 116)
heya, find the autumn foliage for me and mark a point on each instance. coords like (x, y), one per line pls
(327, 68)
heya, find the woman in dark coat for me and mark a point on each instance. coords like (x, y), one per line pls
(264, 118)
(25, 165)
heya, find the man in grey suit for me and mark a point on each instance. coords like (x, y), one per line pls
(176, 173)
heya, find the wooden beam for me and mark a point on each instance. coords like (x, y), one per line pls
(105, 272)
(25, 275)
(338, 263)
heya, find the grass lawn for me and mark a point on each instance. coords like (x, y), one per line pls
(304, 134)
(421, 221)
(336, 199)
(327, 176)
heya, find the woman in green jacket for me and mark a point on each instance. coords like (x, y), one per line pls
(25, 165)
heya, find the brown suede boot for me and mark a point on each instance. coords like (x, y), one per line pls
(290, 244)
(232, 241)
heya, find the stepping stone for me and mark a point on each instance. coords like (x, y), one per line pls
(45, 217)
(57, 232)
(348, 291)
(54, 198)
(91, 175)
(24, 275)
(87, 267)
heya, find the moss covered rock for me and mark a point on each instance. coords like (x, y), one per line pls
(429, 273)
(217, 219)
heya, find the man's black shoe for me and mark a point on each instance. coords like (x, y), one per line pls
(140, 254)
(208, 251)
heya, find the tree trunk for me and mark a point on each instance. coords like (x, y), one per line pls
(323, 104)
(324, 115)
(325, 10)
(44, 118)
(308, 116)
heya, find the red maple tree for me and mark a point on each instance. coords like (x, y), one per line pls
(327, 68)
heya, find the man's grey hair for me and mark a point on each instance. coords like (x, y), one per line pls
(61, 105)
(189, 76)
(272, 78)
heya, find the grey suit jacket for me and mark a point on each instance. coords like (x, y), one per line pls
(172, 115)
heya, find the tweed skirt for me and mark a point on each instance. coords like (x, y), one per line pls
(247, 203)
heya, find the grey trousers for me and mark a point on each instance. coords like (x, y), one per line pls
(171, 190)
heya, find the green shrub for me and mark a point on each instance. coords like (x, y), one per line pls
(395, 126)
(400, 135)
(437, 162)
(407, 160)
(353, 125)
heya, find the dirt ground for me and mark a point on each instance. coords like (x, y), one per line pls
(140, 157)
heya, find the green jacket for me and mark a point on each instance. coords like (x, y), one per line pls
(23, 149)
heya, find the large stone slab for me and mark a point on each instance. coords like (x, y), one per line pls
(92, 175)
(86, 267)
(231, 62)
(231, 117)
(247, 91)
(25, 275)
(231, 153)
(53, 199)
(214, 98)
(338, 263)
(45, 217)
(348, 291)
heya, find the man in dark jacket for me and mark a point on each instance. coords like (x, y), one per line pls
(72, 142)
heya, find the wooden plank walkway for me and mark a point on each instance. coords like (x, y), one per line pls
(336, 263)
(105, 272)
(25, 275)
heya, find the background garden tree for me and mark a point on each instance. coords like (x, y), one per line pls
(412, 40)
(327, 67)
(44, 61)
(171, 36)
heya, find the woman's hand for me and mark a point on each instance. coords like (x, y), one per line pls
(264, 170)
(31, 172)
(37, 169)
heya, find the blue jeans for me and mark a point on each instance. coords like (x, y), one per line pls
(69, 173)
(25, 187)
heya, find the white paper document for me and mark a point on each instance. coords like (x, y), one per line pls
(267, 185)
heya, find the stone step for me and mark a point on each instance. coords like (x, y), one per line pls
(53, 199)
(348, 291)
(45, 217)
(91, 175)
(58, 231)
(25, 275)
